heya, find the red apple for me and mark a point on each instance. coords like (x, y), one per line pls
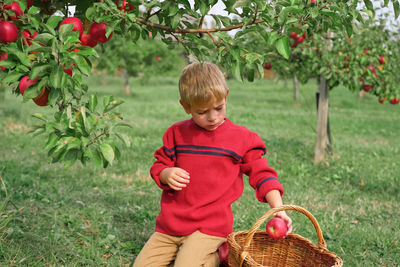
(367, 87)
(157, 58)
(150, 35)
(25, 83)
(68, 71)
(301, 38)
(3, 57)
(8, 32)
(382, 60)
(87, 40)
(294, 35)
(78, 26)
(382, 100)
(123, 6)
(14, 6)
(43, 98)
(394, 101)
(267, 65)
(98, 32)
(223, 252)
(313, 1)
(366, 51)
(276, 228)
(28, 36)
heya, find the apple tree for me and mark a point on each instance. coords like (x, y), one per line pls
(47, 51)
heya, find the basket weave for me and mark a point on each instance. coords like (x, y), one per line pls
(256, 248)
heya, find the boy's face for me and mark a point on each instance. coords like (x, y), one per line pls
(209, 116)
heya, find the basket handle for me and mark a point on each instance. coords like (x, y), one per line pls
(261, 220)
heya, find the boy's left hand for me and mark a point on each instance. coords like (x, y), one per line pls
(282, 214)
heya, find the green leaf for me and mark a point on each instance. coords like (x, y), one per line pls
(53, 21)
(92, 102)
(44, 38)
(58, 78)
(113, 104)
(12, 77)
(33, 10)
(369, 4)
(94, 156)
(107, 152)
(40, 69)
(236, 71)
(124, 138)
(8, 64)
(204, 8)
(39, 116)
(52, 141)
(396, 8)
(250, 73)
(282, 46)
(175, 21)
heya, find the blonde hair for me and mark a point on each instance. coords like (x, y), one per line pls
(201, 83)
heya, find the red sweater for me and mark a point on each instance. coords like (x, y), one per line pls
(216, 161)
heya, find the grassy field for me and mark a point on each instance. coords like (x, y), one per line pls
(101, 217)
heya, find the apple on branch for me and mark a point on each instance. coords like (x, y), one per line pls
(8, 32)
(267, 65)
(14, 6)
(276, 228)
(98, 32)
(3, 56)
(382, 60)
(78, 26)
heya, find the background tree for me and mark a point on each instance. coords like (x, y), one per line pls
(145, 58)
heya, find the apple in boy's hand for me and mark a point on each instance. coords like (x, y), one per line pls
(276, 228)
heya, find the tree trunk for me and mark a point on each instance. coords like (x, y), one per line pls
(127, 87)
(295, 87)
(322, 124)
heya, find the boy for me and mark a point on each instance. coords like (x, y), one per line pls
(200, 168)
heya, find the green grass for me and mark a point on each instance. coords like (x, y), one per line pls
(94, 217)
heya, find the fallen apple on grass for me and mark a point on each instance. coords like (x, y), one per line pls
(276, 228)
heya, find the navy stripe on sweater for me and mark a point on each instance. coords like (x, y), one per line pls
(266, 180)
(199, 152)
(193, 149)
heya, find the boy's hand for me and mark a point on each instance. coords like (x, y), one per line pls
(175, 177)
(282, 214)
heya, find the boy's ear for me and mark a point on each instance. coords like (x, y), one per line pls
(185, 107)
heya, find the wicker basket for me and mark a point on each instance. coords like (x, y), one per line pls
(256, 248)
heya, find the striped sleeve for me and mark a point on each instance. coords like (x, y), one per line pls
(165, 158)
(261, 176)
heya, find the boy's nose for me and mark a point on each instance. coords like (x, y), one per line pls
(212, 116)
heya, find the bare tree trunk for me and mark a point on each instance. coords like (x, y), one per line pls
(322, 124)
(127, 87)
(295, 87)
(285, 83)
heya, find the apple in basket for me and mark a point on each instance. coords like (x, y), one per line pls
(276, 228)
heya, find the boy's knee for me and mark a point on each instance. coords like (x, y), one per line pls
(209, 260)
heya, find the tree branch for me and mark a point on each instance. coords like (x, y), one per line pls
(182, 31)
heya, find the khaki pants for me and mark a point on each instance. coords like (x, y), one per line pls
(194, 250)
